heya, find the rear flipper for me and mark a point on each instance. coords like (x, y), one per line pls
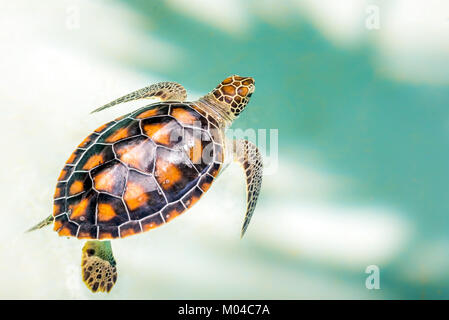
(43, 223)
(98, 266)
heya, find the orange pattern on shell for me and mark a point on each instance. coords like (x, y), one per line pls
(167, 174)
(205, 186)
(147, 114)
(93, 161)
(106, 235)
(79, 209)
(172, 214)
(105, 212)
(158, 132)
(85, 142)
(71, 158)
(57, 193)
(101, 128)
(76, 187)
(118, 135)
(65, 232)
(149, 226)
(131, 155)
(84, 235)
(105, 180)
(196, 152)
(62, 175)
(56, 209)
(57, 225)
(183, 116)
(135, 196)
(127, 232)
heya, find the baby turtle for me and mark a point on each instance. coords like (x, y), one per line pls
(143, 169)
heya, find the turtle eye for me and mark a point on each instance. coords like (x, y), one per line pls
(90, 252)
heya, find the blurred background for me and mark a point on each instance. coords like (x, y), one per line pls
(357, 90)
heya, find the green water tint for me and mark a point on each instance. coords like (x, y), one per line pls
(389, 137)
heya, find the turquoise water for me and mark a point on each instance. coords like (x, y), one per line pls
(390, 137)
(363, 159)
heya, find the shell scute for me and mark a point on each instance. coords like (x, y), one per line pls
(205, 182)
(87, 231)
(65, 173)
(188, 115)
(68, 229)
(214, 169)
(129, 229)
(163, 130)
(152, 222)
(142, 195)
(174, 173)
(78, 183)
(173, 210)
(60, 190)
(192, 197)
(95, 156)
(103, 127)
(107, 232)
(110, 178)
(212, 121)
(59, 222)
(122, 130)
(215, 134)
(59, 206)
(81, 208)
(89, 140)
(151, 111)
(75, 156)
(199, 148)
(137, 153)
(110, 211)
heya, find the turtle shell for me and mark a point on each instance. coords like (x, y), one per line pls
(138, 172)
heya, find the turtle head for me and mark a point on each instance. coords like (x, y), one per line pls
(233, 94)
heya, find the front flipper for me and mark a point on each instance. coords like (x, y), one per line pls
(248, 156)
(98, 266)
(162, 90)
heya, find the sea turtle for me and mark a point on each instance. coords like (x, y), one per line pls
(145, 168)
